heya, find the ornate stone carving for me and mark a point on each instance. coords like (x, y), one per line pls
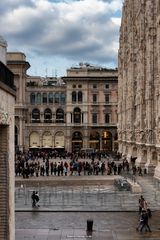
(4, 117)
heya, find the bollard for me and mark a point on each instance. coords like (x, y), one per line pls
(89, 226)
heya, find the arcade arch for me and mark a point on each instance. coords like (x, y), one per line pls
(34, 140)
(59, 140)
(47, 140)
(94, 140)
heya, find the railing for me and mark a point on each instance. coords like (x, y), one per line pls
(80, 197)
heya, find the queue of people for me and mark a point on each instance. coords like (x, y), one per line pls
(47, 164)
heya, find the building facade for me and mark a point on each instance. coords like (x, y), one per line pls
(91, 109)
(7, 101)
(138, 85)
(75, 112)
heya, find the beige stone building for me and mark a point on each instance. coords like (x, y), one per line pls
(73, 112)
(91, 108)
(139, 79)
(7, 101)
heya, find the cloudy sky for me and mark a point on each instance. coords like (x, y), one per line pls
(58, 34)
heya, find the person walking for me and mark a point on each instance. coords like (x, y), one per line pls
(141, 203)
(140, 222)
(37, 199)
(33, 197)
(145, 221)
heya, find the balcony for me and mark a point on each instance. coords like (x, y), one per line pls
(53, 121)
(6, 76)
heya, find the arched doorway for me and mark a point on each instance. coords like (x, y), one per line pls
(77, 141)
(106, 141)
(94, 140)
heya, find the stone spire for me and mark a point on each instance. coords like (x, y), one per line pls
(3, 50)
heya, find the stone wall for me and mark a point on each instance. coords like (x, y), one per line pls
(7, 223)
(138, 111)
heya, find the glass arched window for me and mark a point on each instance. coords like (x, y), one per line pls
(74, 97)
(59, 116)
(38, 98)
(35, 115)
(56, 97)
(107, 118)
(50, 98)
(77, 115)
(80, 97)
(63, 98)
(44, 98)
(32, 98)
(47, 116)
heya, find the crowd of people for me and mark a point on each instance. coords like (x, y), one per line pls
(37, 164)
(32, 164)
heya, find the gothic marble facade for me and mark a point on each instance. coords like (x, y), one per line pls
(139, 79)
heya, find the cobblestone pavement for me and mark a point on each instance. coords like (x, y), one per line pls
(60, 226)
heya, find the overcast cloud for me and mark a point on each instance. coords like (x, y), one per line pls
(55, 34)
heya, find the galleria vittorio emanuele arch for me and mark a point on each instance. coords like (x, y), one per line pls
(139, 84)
